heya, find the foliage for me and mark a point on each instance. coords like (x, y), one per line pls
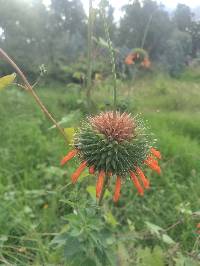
(177, 49)
(183, 17)
(85, 239)
(6, 80)
(56, 36)
(41, 212)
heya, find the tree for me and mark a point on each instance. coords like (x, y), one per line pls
(194, 31)
(177, 49)
(35, 35)
(183, 17)
(146, 19)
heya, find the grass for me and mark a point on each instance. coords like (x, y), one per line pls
(34, 189)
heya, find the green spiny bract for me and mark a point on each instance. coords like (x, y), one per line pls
(142, 54)
(111, 155)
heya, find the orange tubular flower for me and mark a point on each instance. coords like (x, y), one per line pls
(129, 60)
(92, 170)
(156, 153)
(100, 182)
(68, 157)
(117, 189)
(146, 63)
(137, 184)
(78, 171)
(145, 181)
(153, 164)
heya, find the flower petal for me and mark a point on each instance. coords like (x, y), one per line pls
(156, 153)
(137, 184)
(153, 164)
(91, 170)
(117, 189)
(68, 157)
(100, 183)
(78, 171)
(145, 181)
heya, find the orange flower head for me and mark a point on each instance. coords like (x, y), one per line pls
(114, 145)
(139, 57)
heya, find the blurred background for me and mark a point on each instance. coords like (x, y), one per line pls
(45, 220)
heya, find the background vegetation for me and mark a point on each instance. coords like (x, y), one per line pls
(45, 220)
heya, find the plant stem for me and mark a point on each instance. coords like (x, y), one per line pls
(112, 56)
(32, 92)
(89, 55)
(147, 29)
(104, 190)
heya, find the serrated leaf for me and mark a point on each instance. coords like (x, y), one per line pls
(153, 228)
(167, 239)
(6, 80)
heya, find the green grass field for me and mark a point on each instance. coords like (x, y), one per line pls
(41, 211)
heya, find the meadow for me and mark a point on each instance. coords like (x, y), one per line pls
(45, 220)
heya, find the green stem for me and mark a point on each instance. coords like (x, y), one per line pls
(147, 28)
(89, 55)
(112, 56)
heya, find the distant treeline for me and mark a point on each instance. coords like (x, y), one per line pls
(56, 36)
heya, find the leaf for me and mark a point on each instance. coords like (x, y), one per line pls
(123, 255)
(167, 239)
(92, 191)
(158, 231)
(103, 43)
(153, 228)
(110, 219)
(69, 132)
(6, 80)
(147, 258)
(72, 246)
(185, 261)
(3, 239)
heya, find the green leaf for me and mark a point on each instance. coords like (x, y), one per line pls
(167, 239)
(153, 228)
(185, 261)
(6, 80)
(110, 219)
(92, 191)
(69, 132)
(147, 258)
(72, 246)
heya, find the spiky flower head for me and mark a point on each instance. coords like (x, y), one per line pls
(114, 144)
(138, 57)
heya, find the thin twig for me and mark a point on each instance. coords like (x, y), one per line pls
(32, 92)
